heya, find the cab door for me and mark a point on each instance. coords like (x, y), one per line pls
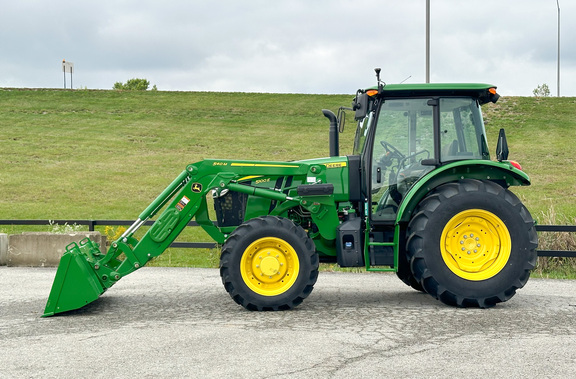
(403, 138)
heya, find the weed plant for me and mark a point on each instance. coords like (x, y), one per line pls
(556, 267)
(64, 229)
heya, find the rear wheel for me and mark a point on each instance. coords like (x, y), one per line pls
(269, 263)
(471, 243)
(404, 273)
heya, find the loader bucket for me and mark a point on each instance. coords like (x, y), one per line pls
(76, 283)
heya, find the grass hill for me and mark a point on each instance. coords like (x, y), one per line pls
(106, 154)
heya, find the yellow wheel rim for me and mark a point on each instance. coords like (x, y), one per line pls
(269, 266)
(475, 244)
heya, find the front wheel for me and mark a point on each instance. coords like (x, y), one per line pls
(471, 243)
(269, 263)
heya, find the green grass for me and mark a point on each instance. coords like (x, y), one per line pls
(541, 134)
(106, 154)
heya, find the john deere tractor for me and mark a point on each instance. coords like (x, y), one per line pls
(419, 196)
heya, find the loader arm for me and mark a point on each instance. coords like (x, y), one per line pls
(85, 273)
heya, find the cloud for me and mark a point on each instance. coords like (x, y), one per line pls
(285, 46)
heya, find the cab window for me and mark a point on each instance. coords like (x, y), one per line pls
(361, 133)
(461, 130)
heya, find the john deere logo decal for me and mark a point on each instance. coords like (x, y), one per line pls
(197, 187)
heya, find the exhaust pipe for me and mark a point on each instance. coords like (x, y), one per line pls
(333, 133)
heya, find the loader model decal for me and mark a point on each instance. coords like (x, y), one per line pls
(260, 181)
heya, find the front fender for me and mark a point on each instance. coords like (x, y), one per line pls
(502, 173)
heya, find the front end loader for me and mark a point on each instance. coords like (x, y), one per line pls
(418, 196)
(241, 190)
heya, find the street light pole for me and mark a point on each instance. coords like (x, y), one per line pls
(428, 41)
(558, 68)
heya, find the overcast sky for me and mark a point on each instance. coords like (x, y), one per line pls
(295, 46)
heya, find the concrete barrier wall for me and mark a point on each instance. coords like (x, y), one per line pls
(40, 249)
(3, 248)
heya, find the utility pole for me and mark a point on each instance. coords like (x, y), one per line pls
(558, 68)
(428, 41)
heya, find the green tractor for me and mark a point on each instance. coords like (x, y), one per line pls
(419, 196)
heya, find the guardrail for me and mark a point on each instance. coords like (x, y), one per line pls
(210, 245)
(560, 229)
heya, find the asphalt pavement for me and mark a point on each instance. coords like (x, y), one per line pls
(181, 323)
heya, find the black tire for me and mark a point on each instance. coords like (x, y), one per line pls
(472, 243)
(404, 273)
(269, 264)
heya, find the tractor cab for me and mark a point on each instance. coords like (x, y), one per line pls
(407, 130)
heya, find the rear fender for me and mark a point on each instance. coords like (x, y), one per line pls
(502, 173)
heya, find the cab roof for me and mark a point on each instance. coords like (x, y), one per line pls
(477, 90)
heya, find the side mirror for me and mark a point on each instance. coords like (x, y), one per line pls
(502, 147)
(360, 105)
(341, 119)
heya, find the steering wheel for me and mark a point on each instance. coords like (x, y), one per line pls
(414, 155)
(391, 149)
